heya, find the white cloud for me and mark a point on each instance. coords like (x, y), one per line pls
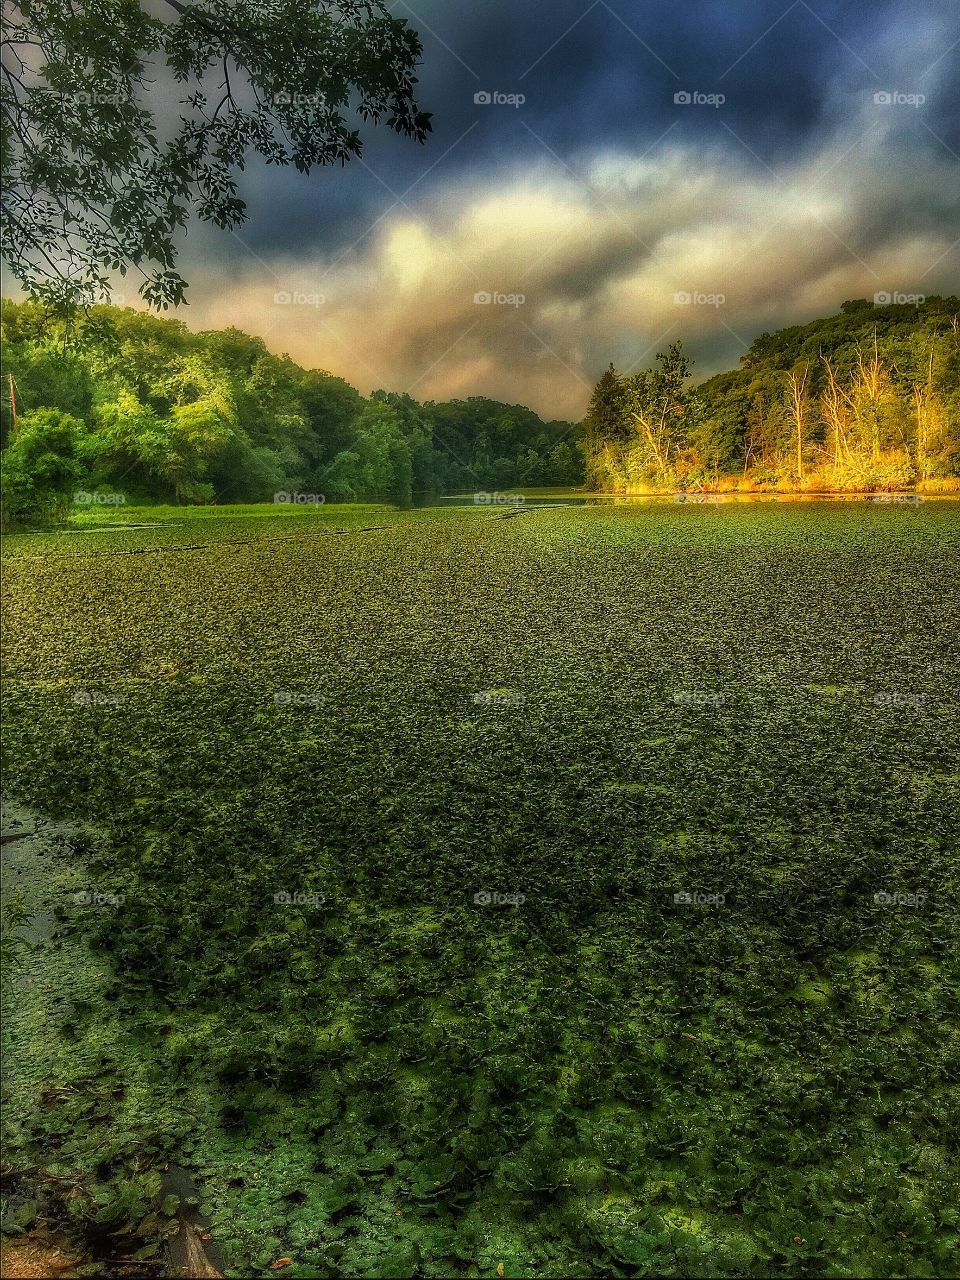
(599, 263)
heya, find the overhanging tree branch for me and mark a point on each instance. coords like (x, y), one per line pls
(79, 128)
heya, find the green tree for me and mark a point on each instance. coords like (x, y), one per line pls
(719, 438)
(607, 423)
(41, 466)
(563, 465)
(197, 433)
(129, 435)
(96, 179)
(341, 480)
(665, 412)
(608, 416)
(386, 459)
(330, 407)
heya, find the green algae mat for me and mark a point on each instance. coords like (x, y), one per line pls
(458, 892)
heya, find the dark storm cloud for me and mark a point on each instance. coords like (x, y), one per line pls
(830, 171)
(598, 74)
(595, 280)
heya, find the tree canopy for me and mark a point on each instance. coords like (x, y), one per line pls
(121, 119)
(138, 408)
(868, 398)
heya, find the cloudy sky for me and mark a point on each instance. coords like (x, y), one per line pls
(605, 177)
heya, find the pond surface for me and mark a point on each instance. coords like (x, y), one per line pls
(578, 498)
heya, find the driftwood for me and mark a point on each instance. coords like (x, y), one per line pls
(187, 1256)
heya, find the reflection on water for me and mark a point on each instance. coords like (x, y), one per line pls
(541, 498)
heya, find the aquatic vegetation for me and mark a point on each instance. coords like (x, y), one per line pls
(473, 893)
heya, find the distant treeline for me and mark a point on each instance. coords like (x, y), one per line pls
(131, 406)
(135, 405)
(867, 399)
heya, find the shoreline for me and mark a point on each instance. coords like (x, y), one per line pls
(507, 497)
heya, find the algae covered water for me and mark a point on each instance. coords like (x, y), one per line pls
(572, 894)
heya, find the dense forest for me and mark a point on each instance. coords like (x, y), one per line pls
(867, 399)
(133, 407)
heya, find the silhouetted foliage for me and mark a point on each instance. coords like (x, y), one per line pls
(100, 174)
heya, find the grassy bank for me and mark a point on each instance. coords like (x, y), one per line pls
(814, 486)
